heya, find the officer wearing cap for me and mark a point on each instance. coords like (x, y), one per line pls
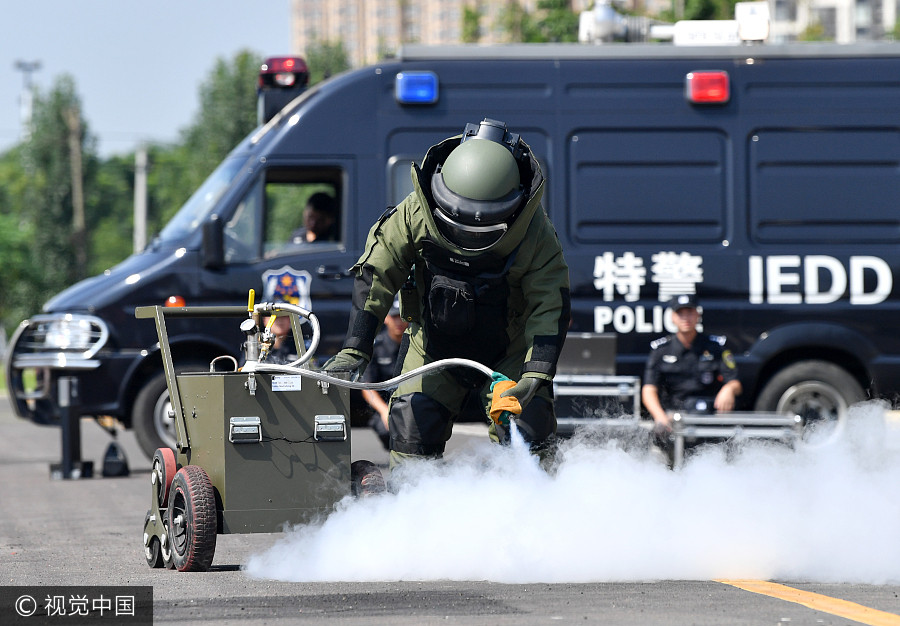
(688, 371)
(483, 278)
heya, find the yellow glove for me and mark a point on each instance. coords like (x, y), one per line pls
(503, 407)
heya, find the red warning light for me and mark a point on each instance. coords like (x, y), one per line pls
(175, 301)
(707, 87)
(283, 72)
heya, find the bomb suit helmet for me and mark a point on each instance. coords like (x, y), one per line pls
(477, 191)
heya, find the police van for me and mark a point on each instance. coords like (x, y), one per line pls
(764, 179)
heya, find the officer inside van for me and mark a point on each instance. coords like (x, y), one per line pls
(319, 220)
(688, 371)
(483, 278)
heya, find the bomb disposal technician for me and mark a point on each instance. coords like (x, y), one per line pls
(482, 276)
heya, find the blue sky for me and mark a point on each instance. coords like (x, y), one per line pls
(137, 65)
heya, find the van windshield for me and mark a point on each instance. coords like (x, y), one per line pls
(203, 201)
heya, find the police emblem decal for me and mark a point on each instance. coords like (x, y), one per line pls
(287, 285)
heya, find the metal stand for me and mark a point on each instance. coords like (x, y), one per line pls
(733, 426)
(71, 467)
(625, 389)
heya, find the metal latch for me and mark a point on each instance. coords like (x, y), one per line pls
(331, 428)
(244, 430)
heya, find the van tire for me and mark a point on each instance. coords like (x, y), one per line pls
(151, 426)
(814, 390)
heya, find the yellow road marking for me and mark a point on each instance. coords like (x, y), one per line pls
(818, 602)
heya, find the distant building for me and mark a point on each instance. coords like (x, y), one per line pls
(371, 29)
(843, 21)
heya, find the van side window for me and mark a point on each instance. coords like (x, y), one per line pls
(242, 230)
(303, 211)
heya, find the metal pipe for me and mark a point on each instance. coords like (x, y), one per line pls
(269, 307)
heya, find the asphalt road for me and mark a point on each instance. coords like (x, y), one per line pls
(88, 532)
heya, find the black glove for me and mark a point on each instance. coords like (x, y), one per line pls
(523, 391)
(349, 361)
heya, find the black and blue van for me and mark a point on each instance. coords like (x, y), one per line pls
(766, 179)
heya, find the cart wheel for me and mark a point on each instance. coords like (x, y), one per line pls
(152, 549)
(192, 519)
(162, 473)
(367, 479)
(165, 547)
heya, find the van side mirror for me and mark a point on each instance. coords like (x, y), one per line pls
(213, 252)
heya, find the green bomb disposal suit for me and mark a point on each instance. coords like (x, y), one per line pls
(506, 307)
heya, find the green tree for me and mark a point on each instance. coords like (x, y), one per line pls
(813, 32)
(325, 59)
(48, 199)
(37, 249)
(471, 25)
(227, 114)
(517, 23)
(709, 9)
(558, 22)
(20, 274)
(110, 199)
(554, 21)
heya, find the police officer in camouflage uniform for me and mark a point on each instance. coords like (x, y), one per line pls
(481, 276)
(688, 371)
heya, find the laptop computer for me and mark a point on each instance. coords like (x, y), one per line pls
(588, 353)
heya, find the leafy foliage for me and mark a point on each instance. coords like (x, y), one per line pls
(37, 243)
(42, 207)
(554, 21)
(227, 113)
(709, 9)
(471, 27)
(325, 59)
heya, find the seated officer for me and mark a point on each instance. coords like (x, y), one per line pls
(688, 371)
(319, 220)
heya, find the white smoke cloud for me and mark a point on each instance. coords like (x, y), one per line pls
(612, 512)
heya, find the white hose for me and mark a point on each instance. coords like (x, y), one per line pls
(294, 366)
(393, 382)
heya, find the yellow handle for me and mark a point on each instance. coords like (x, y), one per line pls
(250, 301)
(270, 323)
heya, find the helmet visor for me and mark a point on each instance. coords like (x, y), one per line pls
(472, 238)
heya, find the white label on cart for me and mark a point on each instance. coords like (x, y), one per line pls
(286, 383)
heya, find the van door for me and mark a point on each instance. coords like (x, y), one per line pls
(290, 239)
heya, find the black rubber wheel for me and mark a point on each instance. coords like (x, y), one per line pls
(152, 549)
(162, 473)
(817, 391)
(150, 419)
(192, 519)
(367, 479)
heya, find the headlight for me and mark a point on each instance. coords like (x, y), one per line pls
(81, 335)
(67, 334)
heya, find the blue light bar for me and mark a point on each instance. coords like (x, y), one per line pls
(416, 87)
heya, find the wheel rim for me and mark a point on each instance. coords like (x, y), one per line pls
(822, 408)
(165, 548)
(162, 474)
(179, 531)
(151, 552)
(163, 423)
